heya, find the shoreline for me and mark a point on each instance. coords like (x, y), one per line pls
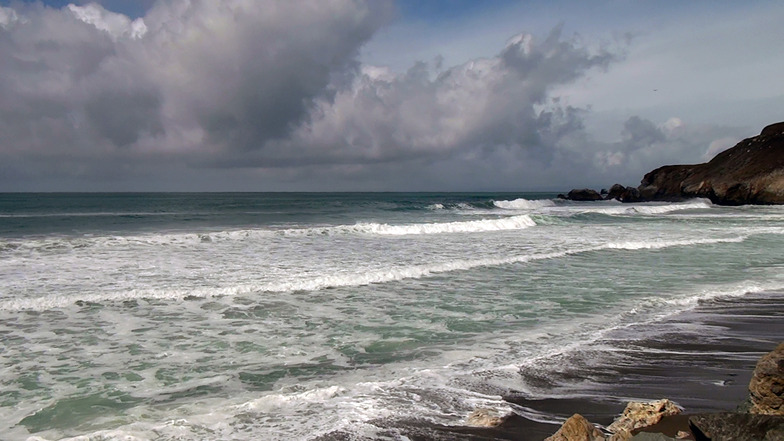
(702, 359)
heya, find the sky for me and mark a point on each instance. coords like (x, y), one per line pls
(378, 95)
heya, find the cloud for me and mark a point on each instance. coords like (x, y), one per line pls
(247, 94)
(83, 85)
(116, 25)
(645, 145)
(466, 111)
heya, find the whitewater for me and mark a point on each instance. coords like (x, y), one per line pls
(291, 316)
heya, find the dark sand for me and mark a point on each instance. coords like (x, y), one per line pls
(702, 359)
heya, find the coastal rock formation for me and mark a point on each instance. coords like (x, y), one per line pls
(766, 387)
(751, 172)
(773, 129)
(638, 415)
(616, 191)
(737, 427)
(577, 428)
(584, 194)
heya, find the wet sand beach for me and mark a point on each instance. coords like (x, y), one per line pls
(702, 359)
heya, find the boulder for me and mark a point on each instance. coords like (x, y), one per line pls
(485, 418)
(737, 427)
(766, 388)
(751, 172)
(638, 415)
(584, 194)
(616, 191)
(577, 428)
(630, 194)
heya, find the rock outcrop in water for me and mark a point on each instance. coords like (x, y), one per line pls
(752, 172)
(582, 194)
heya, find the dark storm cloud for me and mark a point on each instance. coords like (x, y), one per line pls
(85, 90)
(247, 72)
(469, 110)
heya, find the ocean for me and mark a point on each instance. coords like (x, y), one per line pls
(304, 316)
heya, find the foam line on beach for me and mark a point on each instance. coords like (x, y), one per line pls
(654, 310)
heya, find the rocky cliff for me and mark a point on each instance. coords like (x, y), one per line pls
(752, 172)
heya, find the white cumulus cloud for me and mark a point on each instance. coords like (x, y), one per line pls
(116, 25)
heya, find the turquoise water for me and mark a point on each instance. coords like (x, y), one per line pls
(291, 316)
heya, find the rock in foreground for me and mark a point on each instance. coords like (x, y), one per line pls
(577, 428)
(766, 388)
(737, 427)
(638, 415)
(764, 422)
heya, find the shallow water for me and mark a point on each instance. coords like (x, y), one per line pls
(290, 316)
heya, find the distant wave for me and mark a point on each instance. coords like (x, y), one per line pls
(701, 204)
(370, 228)
(524, 204)
(657, 243)
(385, 275)
(464, 206)
(475, 226)
(646, 209)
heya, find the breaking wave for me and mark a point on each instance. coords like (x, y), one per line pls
(645, 208)
(384, 275)
(524, 204)
(54, 244)
(476, 226)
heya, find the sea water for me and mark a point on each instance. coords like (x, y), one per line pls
(287, 316)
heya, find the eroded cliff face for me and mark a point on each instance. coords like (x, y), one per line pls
(752, 172)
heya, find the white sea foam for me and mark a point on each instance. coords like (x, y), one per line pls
(269, 402)
(524, 204)
(660, 243)
(391, 274)
(699, 204)
(172, 239)
(476, 226)
(647, 208)
(433, 349)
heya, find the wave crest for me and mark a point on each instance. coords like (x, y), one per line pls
(524, 204)
(476, 226)
(384, 275)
